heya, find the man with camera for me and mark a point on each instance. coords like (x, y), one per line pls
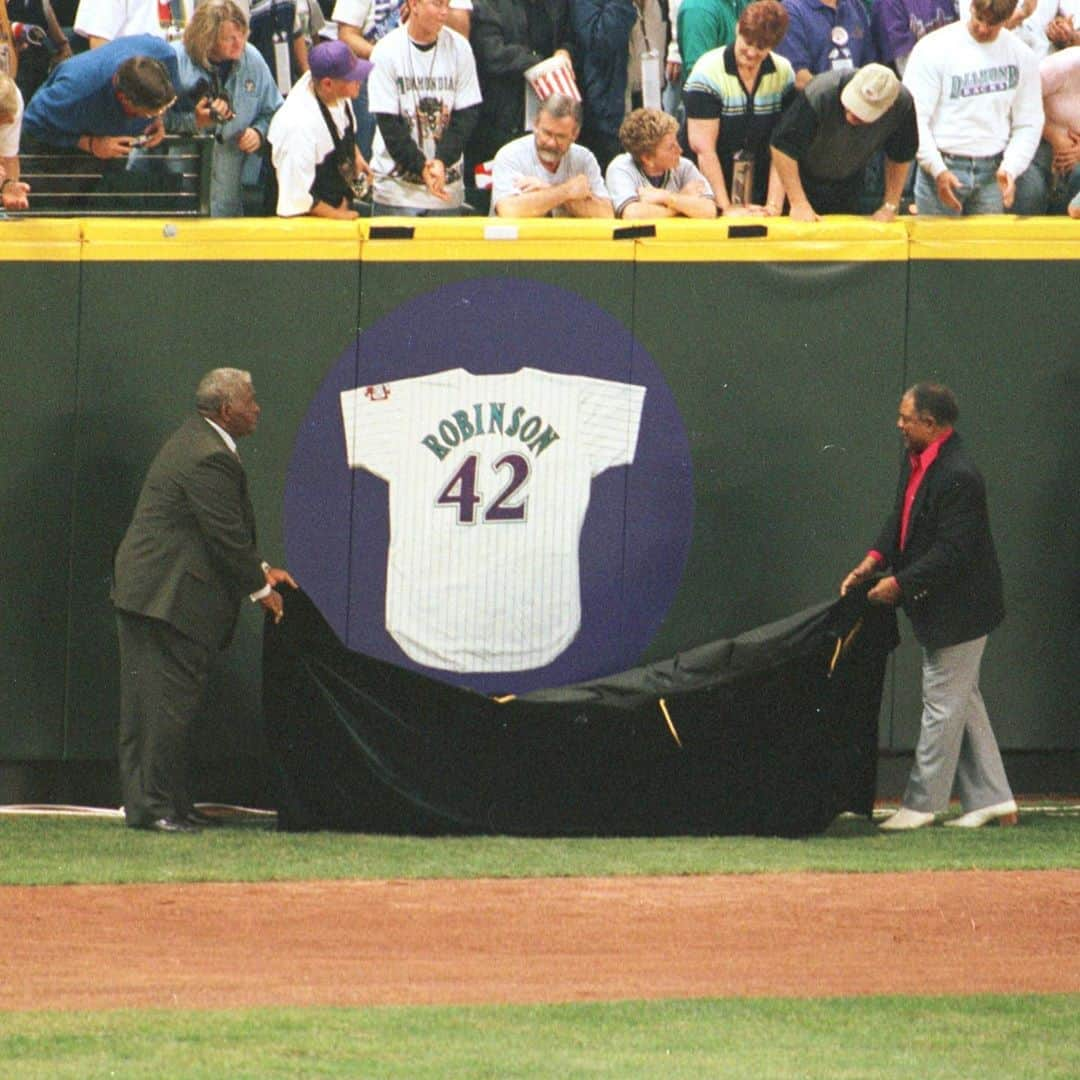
(105, 102)
(225, 89)
(312, 137)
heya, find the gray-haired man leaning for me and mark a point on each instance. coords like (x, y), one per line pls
(546, 174)
(184, 567)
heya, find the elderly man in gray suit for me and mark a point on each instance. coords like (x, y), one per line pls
(183, 569)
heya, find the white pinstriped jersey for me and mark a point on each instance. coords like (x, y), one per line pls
(490, 479)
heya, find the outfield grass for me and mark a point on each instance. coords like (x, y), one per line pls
(985, 1037)
(58, 851)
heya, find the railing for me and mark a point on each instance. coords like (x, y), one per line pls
(172, 179)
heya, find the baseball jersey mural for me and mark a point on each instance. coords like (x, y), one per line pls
(504, 521)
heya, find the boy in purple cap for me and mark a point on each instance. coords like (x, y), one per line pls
(312, 137)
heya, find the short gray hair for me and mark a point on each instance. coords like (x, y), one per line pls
(218, 387)
(559, 105)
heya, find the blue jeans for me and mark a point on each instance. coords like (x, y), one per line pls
(978, 192)
(1039, 190)
(384, 210)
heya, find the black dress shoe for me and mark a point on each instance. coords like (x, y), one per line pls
(173, 825)
(204, 821)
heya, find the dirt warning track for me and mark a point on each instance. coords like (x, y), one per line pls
(538, 940)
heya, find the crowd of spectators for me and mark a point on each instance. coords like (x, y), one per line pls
(522, 108)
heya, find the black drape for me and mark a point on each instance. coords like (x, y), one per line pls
(773, 732)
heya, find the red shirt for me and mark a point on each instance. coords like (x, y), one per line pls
(919, 464)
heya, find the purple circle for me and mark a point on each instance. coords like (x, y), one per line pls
(636, 533)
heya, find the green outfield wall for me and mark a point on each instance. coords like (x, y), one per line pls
(785, 351)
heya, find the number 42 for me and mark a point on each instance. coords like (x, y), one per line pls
(461, 491)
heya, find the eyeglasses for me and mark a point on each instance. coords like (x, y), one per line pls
(158, 112)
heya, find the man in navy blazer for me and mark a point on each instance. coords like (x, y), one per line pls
(940, 566)
(185, 565)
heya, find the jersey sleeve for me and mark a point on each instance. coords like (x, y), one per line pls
(372, 424)
(382, 84)
(622, 182)
(99, 18)
(609, 417)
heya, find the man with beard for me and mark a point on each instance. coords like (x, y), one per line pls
(546, 174)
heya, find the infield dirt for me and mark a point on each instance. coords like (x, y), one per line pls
(538, 940)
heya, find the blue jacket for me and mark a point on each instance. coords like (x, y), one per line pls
(78, 97)
(602, 28)
(255, 98)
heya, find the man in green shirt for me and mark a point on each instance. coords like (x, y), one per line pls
(705, 25)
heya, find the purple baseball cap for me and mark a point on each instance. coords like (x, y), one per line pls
(335, 60)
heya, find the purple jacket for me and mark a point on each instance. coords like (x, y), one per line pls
(898, 24)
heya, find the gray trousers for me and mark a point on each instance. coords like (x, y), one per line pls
(956, 740)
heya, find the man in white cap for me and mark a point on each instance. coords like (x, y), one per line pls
(313, 137)
(834, 127)
(979, 99)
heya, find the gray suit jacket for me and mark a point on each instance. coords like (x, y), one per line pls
(189, 557)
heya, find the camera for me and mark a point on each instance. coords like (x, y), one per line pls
(26, 34)
(221, 116)
(361, 186)
(213, 92)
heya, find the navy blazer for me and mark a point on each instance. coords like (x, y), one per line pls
(948, 570)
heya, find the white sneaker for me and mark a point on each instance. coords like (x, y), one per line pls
(1004, 813)
(905, 819)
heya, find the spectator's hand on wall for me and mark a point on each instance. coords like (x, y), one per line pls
(13, 194)
(748, 210)
(800, 211)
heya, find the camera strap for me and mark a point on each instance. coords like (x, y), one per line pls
(344, 145)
